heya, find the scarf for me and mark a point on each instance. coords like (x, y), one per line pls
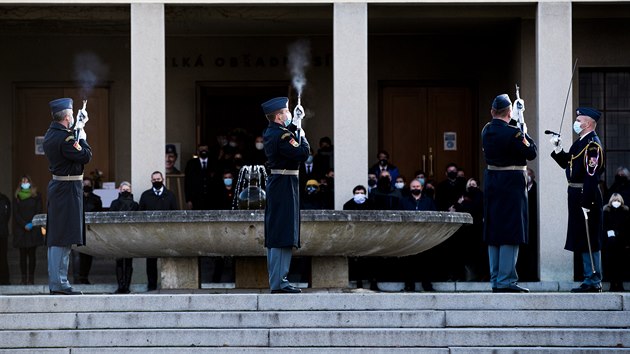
(24, 194)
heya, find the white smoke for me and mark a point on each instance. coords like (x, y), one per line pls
(299, 60)
(89, 71)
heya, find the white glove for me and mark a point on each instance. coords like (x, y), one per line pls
(611, 233)
(524, 128)
(82, 118)
(585, 211)
(302, 133)
(82, 134)
(556, 141)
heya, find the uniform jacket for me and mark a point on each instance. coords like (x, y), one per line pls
(23, 213)
(65, 225)
(505, 194)
(282, 211)
(584, 163)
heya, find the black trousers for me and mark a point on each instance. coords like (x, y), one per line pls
(152, 273)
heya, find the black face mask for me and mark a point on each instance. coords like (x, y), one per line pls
(203, 154)
(157, 185)
(383, 162)
(621, 179)
(452, 175)
(88, 189)
(125, 194)
(416, 192)
(371, 182)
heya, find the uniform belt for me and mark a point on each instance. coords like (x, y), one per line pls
(507, 168)
(576, 185)
(285, 172)
(68, 178)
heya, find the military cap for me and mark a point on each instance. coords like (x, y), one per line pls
(275, 104)
(60, 104)
(171, 149)
(501, 101)
(587, 111)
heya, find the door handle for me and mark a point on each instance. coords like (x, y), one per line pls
(431, 162)
(424, 163)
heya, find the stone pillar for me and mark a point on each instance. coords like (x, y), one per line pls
(179, 273)
(329, 272)
(555, 63)
(148, 94)
(350, 107)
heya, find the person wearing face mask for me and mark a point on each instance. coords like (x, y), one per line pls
(617, 244)
(26, 204)
(385, 196)
(124, 266)
(383, 164)
(506, 150)
(308, 170)
(584, 165)
(359, 200)
(257, 154)
(286, 149)
(325, 157)
(65, 225)
(156, 198)
(401, 185)
(449, 190)
(312, 198)
(198, 183)
(226, 193)
(82, 263)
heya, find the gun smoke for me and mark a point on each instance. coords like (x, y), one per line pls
(299, 60)
(89, 70)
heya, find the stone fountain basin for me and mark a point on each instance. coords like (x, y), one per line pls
(189, 233)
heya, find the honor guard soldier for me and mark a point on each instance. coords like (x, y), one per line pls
(506, 150)
(65, 224)
(584, 165)
(285, 148)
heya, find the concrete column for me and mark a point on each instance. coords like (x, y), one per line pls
(555, 63)
(179, 273)
(350, 76)
(148, 93)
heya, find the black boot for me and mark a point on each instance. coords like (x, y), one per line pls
(128, 273)
(120, 279)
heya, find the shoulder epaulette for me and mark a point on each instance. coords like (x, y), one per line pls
(70, 137)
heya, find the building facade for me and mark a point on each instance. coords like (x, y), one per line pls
(415, 78)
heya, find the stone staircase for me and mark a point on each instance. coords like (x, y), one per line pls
(317, 322)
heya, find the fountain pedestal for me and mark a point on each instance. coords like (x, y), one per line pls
(328, 236)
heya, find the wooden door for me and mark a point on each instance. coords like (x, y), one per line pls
(427, 128)
(32, 119)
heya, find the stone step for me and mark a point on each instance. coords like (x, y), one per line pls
(341, 337)
(315, 301)
(316, 319)
(324, 350)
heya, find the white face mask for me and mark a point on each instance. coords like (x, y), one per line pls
(529, 179)
(577, 128)
(259, 146)
(399, 185)
(616, 204)
(359, 198)
(288, 118)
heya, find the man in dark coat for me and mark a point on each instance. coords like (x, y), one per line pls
(285, 151)
(124, 266)
(506, 150)
(198, 183)
(65, 225)
(156, 198)
(584, 165)
(91, 203)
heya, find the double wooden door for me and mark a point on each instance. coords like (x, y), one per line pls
(31, 121)
(428, 127)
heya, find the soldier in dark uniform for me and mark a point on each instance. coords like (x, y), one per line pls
(584, 164)
(284, 153)
(506, 150)
(65, 224)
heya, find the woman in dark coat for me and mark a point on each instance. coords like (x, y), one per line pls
(124, 266)
(26, 204)
(617, 244)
